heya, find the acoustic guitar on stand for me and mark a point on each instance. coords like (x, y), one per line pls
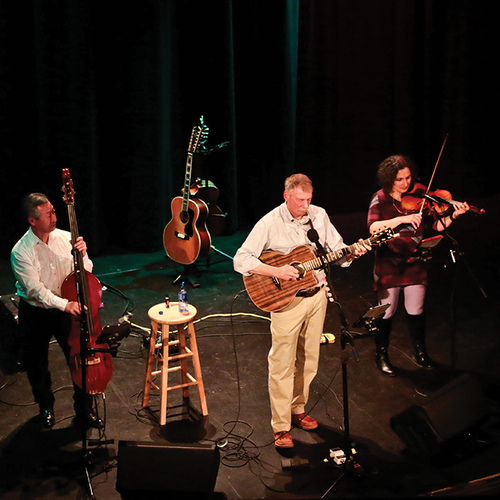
(186, 237)
(271, 294)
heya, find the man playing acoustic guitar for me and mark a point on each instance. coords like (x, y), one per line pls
(297, 327)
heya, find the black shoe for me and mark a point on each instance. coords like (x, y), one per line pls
(91, 419)
(382, 336)
(47, 418)
(384, 365)
(422, 359)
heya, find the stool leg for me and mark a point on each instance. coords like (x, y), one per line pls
(183, 362)
(197, 368)
(149, 364)
(164, 374)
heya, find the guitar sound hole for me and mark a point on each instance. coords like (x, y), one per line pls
(185, 217)
(299, 268)
(189, 223)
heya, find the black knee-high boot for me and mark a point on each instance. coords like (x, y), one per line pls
(416, 326)
(382, 345)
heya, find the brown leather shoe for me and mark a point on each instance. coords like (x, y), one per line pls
(283, 439)
(304, 421)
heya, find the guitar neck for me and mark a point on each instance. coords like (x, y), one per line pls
(332, 256)
(187, 182)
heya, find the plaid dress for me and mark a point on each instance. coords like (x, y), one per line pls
(395, 263)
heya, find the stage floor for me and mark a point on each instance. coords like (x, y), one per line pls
(459, 397)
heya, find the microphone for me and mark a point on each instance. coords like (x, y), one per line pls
(312, 234)
(219, 146)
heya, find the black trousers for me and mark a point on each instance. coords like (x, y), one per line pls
(37, 326)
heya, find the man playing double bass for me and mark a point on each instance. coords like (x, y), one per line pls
(41, 260)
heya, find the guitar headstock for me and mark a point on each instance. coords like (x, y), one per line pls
(67, 189)
(382, 236)
(199, 135)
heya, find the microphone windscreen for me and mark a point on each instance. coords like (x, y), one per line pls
(312, 234)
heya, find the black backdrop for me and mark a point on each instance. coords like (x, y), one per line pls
(111, 90)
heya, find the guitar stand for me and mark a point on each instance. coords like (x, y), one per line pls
(185, 275)
(192, 269)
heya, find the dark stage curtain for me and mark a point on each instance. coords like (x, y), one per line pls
(111, 90)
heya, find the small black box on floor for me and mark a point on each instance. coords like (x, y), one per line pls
(9, 333)
(9, 308)
(183, 470)
(450, 410)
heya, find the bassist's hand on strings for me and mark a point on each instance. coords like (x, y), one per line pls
(73, 308)
(81, 246)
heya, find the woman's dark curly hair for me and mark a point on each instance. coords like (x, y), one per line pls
(389, 168)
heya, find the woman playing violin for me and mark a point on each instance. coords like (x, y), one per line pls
(397, 266)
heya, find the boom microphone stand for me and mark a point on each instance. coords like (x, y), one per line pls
(80, 276)
(457, 258)
(345, 339)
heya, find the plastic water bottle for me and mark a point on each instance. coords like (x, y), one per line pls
(183, 299)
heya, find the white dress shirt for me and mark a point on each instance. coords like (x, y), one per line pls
(280, 232)
(40, 268)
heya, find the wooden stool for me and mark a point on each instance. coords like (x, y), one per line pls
(161, 315)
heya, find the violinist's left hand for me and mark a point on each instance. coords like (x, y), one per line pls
(459, 208)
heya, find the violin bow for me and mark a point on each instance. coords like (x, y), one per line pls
(433, 173)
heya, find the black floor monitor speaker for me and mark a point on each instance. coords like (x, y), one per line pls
(448, 412)
(183, 470)
(9, 334)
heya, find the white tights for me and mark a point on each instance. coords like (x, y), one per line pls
(414, 296)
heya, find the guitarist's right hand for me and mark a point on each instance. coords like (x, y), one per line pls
(285, 273)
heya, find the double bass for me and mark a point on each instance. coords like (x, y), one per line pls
(93, 375)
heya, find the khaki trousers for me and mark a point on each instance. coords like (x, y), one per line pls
(293, 359)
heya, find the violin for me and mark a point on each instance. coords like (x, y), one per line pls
(440, 199)
(93, 375)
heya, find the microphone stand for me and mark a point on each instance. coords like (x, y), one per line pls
(457, 257)
(345, 339)
(80, 275)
